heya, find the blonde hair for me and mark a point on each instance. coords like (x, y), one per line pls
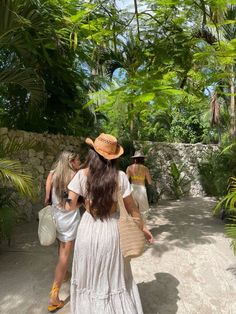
(62, 174)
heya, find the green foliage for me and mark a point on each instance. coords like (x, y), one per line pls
(216, 169)
(59, 63)
(44, 71)
(230, 231)
(7, 213)
(228, 203)
(126, 160)
(152, 194)
(12, 179)
(163, 95)
(179, 180)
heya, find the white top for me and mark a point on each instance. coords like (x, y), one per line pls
(79, 183)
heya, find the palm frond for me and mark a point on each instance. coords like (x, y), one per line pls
(11, 172)
(230, 231)
(228, 202)
(28, 79)
(13, 146)
(229, 147)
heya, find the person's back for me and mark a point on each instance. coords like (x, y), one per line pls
(138, 174)
(66, 222)
(102, 281)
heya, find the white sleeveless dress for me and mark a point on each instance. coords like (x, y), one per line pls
(66, 221)
(102, 281)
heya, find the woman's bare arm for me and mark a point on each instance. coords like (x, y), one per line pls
(128, 173)
(71, 201)
(131, 207)
(133, 210)
(148, 176)
(48, 188)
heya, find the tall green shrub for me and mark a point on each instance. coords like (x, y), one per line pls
(216, 169)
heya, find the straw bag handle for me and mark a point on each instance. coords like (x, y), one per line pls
(123, 211)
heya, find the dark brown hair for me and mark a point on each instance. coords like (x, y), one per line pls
(139, 160)
(101, 184)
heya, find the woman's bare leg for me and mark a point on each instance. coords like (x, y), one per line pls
(65, 249)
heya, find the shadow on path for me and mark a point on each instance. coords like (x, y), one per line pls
(160, 296)
(183, 224)
(232, 269)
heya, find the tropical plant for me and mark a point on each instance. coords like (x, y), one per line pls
(228, 202)
(227, 205)
(230, 231)
(44, 73)
(12, 179)
(15, 20)
(136, 74)
(218, 30)
(179, 180)
(216, 169)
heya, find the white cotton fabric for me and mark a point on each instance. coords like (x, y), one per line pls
(78, 184)
(140, 197)
(66, 221)
(102, 281)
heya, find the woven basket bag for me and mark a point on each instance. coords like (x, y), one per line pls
(132, 239)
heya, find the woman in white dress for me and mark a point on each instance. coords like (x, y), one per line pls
(66, 222)
(102, 281)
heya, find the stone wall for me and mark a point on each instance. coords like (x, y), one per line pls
(42, 150)
(186, 156)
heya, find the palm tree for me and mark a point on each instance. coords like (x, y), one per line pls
(127, 56)
(224, 31)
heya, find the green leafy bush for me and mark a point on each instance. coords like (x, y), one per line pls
(179, 180)
(228, 205)
(216, 169)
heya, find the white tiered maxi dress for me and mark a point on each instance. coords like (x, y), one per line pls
(102, 281)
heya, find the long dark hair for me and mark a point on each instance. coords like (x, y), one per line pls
(101, 184)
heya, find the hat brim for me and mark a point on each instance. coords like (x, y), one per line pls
(119, 151)
(139, 156)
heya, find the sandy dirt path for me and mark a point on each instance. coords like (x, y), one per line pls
(189, 270)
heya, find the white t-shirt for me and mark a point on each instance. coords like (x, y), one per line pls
(79, 183)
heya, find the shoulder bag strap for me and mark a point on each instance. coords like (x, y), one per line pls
(123, 211)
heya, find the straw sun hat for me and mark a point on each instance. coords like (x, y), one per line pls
(106, 145)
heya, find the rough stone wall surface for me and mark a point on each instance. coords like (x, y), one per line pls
(43, 150)
(159, 157)
(37, 158)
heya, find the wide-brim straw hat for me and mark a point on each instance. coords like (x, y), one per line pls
(138, 154)
(106, 145)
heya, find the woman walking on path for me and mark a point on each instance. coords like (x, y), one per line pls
(102, 281)
(139, 174)
(66, 222)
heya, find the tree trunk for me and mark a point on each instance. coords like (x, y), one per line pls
(232, 104)
(137, 18)
(131, 119)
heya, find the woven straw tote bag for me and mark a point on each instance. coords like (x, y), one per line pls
(132, 239)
